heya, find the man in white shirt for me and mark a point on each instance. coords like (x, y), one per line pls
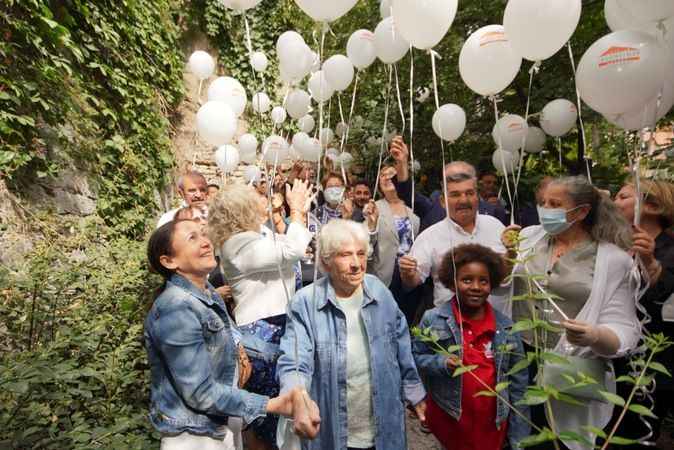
(464, 225)
(193, 188)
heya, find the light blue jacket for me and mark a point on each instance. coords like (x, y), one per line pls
(193, 355)
(319, 325)
(446, 389)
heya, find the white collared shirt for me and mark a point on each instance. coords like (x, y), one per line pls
(434, 243)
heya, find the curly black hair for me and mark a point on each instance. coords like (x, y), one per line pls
(469, 253)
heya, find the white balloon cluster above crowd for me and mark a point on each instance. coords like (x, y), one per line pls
(627, 75)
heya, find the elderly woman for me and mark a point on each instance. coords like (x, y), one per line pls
(398, 225)
(348, 343)
(655, 246)
(579, 255)
(260, 272)
(194, 351)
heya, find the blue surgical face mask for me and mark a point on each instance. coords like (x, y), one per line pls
(333, 195)
(553, 220)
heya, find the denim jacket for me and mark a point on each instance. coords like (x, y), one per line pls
(193, 357)
(319, 325)
(446, 389)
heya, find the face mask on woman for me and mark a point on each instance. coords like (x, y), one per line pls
(553, 220)
(333, 195)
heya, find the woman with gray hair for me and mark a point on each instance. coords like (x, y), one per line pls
(260, 271)
(576, 272)
(348, 342)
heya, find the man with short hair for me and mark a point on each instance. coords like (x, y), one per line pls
(464, 225)
(488, 182)
(213, 190)
(361, 197)
(193, 188)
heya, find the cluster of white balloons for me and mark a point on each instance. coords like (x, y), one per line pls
(628, 75)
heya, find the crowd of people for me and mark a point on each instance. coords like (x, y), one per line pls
(286, 309)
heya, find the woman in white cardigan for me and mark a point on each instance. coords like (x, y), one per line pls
(260, 271)
(396, 230)
(578, 253)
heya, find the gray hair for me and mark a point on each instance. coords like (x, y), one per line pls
(192, 175)
(338, 232)
(604, 222)
(460, 167)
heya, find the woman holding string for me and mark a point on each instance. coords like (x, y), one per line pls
(577, 258)
(655, 246)
(198, 368)
(261, 273)
(396, 227)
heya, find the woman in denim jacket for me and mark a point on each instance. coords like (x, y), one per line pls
(348, 342)
(193, 351)
(459, 418)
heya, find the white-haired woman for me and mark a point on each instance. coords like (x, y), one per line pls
(260, 271)
(351, 346)
(579, 260)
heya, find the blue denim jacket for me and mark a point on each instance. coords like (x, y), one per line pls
(446, 389)
(319, 325)
(193, 356)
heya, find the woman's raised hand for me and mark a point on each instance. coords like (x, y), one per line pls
(299, 196)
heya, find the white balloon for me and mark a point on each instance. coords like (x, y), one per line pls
(306, 123)
(216, 123)
(274, 149)
(502, 159)
(449, 122)
(297, 103)
(259, 61)
(251, 174)
(619, 18)
(509, 132)
(285, 39)
(261, 102)
(345, 159)
(385, 9)
(340, 129)
(558, 117)
(319, 87)
(487, 62)
(389, 44)
(240, 5)
(424, 23)
(360, 49)
(227, 158)
(229, 91)
(278, 115)
(535, 140)
(295, 60)
(326, 136)
(650, 114)
(649, 10)
(300, 140)
(201, 64)
(332, 154)
(537, 29)
(311, 150)
(248, 143)
(315, 62)
(621, 72)
(338, 71)
(325, 10)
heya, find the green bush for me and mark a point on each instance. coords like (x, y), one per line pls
(73, 370)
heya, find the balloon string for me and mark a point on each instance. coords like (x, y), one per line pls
(580, 113)
(353, 104)
(534, 70)
(434, 55)
(412, 130)
(400, 103)
(201, 82)
(383, 133)
(341, 147)
(505, 172)
(559, 152)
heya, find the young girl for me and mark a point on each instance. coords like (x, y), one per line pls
(458, 418)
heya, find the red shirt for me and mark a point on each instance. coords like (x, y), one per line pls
(476, 428)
